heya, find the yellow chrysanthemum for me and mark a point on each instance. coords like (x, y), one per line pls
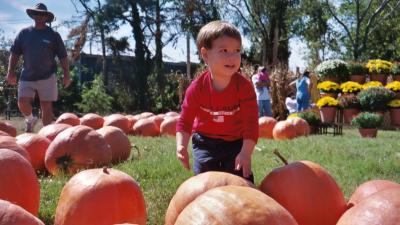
(379, 66)
(394, 103)
(327, 101)
(372, 84)
(328, 86)
(393, 86)
(350, 87)
(293, 115)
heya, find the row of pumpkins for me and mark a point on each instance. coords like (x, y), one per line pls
(299, 193)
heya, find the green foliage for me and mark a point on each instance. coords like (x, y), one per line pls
(94, 98)
(165, 95)
(67, 97)
(349, 101)
(311, 118)
(396, 69)
(375, 98)
(357, 69)
(367, 120)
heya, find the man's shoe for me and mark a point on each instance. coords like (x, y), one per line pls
(30, 124)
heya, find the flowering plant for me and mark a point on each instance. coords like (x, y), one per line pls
(379, 66)
(350, 87)
(395, 103)
(367, 120)
(375, 99)
(328, 86)
(393, 86)
(335, 68)
(357, 69)
(327, 101)
(372, 84)
(349, 101)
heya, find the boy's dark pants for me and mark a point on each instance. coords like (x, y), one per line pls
(211, 154)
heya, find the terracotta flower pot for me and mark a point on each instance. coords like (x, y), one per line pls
(396, 77)
(325, 94)
(368, 132)
(358, 78)
(349, 114)
(395, 116)
(328, 114)
(378, 77)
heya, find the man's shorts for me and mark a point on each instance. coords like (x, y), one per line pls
(46, 89)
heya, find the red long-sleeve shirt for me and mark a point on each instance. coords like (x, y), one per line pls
(230, 114)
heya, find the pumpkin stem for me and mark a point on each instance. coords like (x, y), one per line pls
(277, 153)
(105, 170)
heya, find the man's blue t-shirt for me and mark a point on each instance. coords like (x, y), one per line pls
(39, 48)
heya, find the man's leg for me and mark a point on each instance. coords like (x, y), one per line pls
(47, 112)
(25, 105)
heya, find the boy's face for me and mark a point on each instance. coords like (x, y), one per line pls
(223, 58)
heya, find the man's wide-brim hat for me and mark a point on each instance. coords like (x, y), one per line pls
(40, 9)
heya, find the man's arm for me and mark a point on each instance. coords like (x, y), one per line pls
(65, 68)
(12, 63)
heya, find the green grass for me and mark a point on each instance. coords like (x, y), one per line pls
(351, 160)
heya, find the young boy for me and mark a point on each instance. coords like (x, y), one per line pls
(220, 108)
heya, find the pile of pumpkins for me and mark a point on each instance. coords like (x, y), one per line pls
(270, 128)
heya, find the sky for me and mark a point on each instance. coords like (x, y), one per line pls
(13, 18)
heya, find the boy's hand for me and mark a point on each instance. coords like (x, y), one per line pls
(183, 156)
(243, 161)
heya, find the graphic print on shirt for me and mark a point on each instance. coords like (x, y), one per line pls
(218, 114)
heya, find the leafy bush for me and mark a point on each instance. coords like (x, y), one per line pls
(94, 98)
(67, 97)
(311, 118)
(349, 101)
(357, 69)
(332, 68)
(375, 98)
(396, 69)
(367, 120)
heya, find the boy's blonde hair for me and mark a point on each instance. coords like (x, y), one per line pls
(214, 30)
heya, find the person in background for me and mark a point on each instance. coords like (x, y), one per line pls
(261, 84)
(291, 103)
(219, 108)
(303, 87)
(38, 44)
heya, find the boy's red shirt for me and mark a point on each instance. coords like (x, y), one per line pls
(230, 114)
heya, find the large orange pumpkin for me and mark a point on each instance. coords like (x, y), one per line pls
(197, 185)
(36, 145)
(11, 214)
(3, 133)
(266, 126)
(168, 126)
(52, 130)
(146, 127)
(132, 120)
(300, 125)
(118, 120)
(8, 128)
(234, 205)
(10, 143)
(158, 119)
(145, 115)
(284, 130)
(92, 120)
(172, 114)
(118, 141)
(76, 148)
(101, 197)
(18, 181)
(381, 208)
(307, 191)
(68, 118)
(368, 188)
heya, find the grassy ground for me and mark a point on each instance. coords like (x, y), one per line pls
(351, 160)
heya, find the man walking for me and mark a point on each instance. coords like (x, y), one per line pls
(38, 44)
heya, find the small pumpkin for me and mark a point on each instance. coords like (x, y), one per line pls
(36, 145)
(92, 120)
(158, 119)
(68, 118)
(146, 127)
(300, 125)
(101, 197)
(76, 148)
(52, 130)
(284, 130)
(18, 181)
(8, 128)
(266, 126)
(11, 214)
(119, 143)
(197, 185)
(234, 205)
(168, 126)
(172, 114)
(118, 120)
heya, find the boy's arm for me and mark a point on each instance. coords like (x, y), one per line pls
(243, 159)
(182, 141)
